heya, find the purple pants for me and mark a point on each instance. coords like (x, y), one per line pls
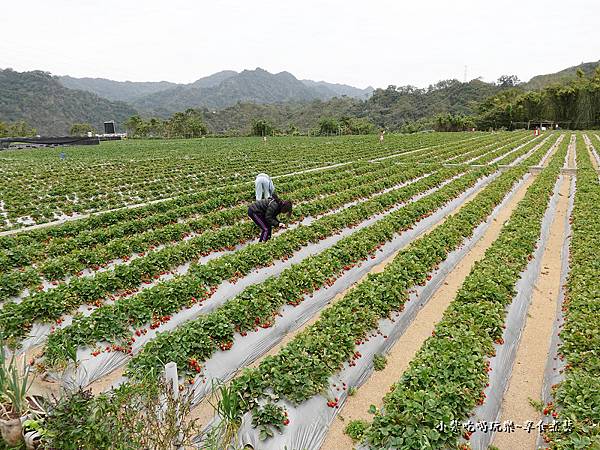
(265, 230)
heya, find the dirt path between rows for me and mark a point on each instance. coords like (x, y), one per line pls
(528, 371)
(404, 350)
(590, 146)
(572, 147)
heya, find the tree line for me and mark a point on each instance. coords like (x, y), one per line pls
(16, 129)
(448, 105)
(187, 124)
(573, 104)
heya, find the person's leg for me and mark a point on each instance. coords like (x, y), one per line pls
(266, 234)
(264, 229)
(259, 189)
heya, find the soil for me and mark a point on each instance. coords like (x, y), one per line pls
(572, 164)
(532, 354)
(39, 385)
(404, 350)
(593, 158)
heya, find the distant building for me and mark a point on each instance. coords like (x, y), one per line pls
(110, 127)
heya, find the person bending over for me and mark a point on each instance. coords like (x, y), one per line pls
(264, 214)
(264, 186)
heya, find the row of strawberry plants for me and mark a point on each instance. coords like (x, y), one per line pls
(213, 165)
(246, 170)
(194, 164)
(98, 196)
(516, 139)
(447, 377)
(498, 148)
(41, 241)
(491, 156)
(44, 245)
(114, 322)
(304, 366)
(96, 192)
(19, 256)
(548, 143)
(460, 152)
(302, 188)
(258, 305)
(216, 238)
(13, 282)
(577, 397)
(16, 318)
(102, 220)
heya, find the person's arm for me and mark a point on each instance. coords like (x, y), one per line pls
(271, 214)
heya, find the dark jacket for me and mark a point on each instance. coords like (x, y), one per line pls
(268, 209)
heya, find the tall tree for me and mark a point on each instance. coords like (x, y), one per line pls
(329, 125)
(261, 127)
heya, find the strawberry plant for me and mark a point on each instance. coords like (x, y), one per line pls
(379, 362)
(267, 417)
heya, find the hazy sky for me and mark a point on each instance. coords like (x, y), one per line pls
(376, 42)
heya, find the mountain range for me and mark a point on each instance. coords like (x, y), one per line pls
(216, 91)
(53, 103)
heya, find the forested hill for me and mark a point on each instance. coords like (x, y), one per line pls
(40, 100)
(258, 86)
(125, 91)
(231, 101)
(563, 76)
(390, 108)
(216, 91)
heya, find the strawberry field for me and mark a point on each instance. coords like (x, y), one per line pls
(118, 260)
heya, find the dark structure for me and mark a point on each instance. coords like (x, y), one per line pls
(49, 141)
(110, 127)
